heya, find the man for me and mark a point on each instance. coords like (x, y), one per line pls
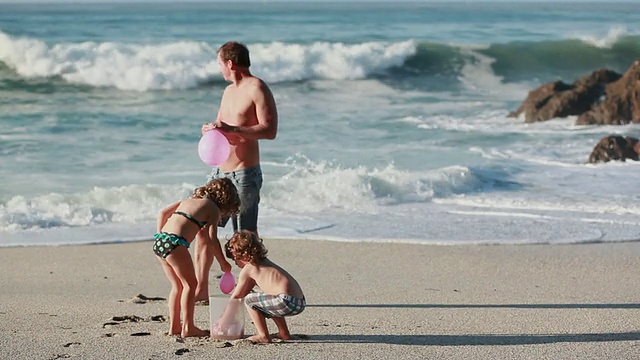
(247, 114)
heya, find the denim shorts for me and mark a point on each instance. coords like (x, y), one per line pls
(248, 182)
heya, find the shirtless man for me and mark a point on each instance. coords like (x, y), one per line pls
(247, 114)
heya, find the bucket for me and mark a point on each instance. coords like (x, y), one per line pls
(231, 327)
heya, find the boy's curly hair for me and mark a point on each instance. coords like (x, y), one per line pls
(245, 245)
(222, 192)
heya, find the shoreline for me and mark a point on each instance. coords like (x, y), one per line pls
(365, 300)
(343, 240)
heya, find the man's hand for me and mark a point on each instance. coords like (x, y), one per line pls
(224, 127)
(208, 127)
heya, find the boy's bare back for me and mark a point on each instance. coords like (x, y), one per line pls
(272, 279)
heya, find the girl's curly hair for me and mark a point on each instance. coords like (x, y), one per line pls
(246, 245)
(222, 192)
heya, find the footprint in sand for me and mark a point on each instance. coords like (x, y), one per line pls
(142, 299)
(202, 303)
(60, 356)
(117, 320)
(127, 318)
(144, 333)
(243, 343)
(158, 318)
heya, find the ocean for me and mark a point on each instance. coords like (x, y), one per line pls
(393, 121)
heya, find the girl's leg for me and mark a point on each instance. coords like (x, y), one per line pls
(260, 322)
(180, 261)
(174, 298)
(204, 260)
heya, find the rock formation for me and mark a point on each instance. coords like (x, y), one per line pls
(615, 147)
(620, 104)
(603, 97)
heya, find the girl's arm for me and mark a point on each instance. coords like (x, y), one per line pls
(213, 241)
(164, 214)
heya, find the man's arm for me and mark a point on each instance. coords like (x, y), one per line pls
(266, 115)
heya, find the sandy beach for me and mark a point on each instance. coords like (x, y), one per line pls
(365, 301)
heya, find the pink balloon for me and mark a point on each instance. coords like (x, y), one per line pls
(213, 148)
(227, 282)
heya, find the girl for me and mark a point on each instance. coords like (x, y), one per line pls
(178, 225)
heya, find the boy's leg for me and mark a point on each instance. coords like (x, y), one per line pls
(260, 322)
(283, 330)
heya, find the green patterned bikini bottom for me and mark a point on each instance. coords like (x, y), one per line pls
(166, 242)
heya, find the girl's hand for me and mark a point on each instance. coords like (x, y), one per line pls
(225, 266)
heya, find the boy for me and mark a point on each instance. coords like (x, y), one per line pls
(281, 294)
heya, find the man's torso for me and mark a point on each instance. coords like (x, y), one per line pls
(238, 109)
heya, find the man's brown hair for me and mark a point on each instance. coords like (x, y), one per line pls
(236, 52)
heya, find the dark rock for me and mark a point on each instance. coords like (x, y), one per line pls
(615, 147)
(603, 97)
(620, 104)
(558, 99)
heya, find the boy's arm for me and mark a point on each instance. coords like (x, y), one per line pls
(244, 286)
(164, 214)
(245, 283)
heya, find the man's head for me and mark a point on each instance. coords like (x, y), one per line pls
(234, 52)
(232, 57)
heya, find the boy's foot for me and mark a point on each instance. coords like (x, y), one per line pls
(259, 339)
(283, 336)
